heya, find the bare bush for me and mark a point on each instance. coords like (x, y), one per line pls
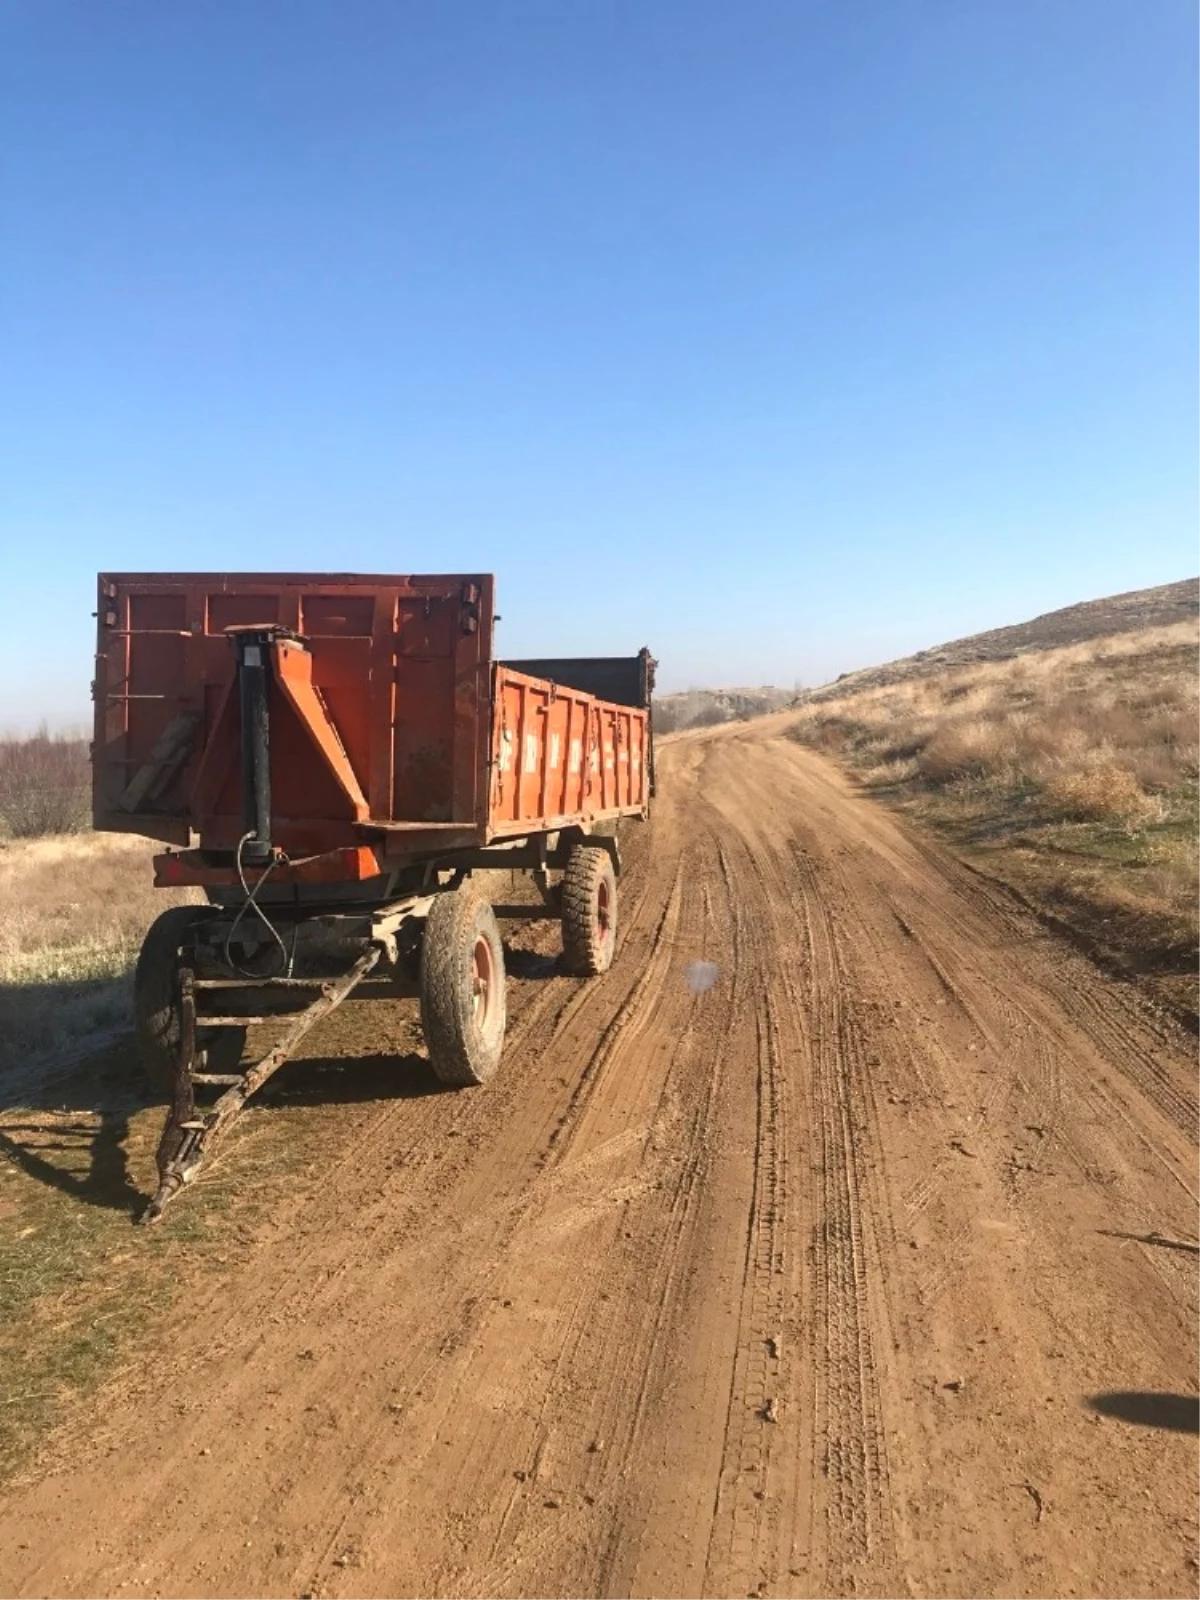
(967, 748)
(709, 708)
(1105, 793)
(45, 785)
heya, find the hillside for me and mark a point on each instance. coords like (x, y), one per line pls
(1092, 619)
(835, 1241)
(1063, 763)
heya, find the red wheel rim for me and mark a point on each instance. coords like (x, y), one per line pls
(483, 984)
(603, 911)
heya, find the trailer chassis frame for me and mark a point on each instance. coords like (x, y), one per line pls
(189, 1135)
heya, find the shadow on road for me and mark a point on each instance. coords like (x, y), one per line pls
(347, 1080)
(530, 964)
(1179, 1413)
(65, 1116)
(66, 1120)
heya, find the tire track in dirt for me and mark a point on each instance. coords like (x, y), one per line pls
(1070, 1113)
(844, 1534)
(857, 1519)
(744, 1506)
(460, 1316)
(741, 1542)
(600, 1379)
(1031, 1047)
(556, 1143)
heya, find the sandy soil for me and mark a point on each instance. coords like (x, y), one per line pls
(789, 1258)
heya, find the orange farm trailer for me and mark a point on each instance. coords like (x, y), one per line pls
(330, 757)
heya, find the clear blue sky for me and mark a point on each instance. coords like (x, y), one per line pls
(783, 337)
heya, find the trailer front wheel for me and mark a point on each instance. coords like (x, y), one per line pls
(589, 911)
(462, 988)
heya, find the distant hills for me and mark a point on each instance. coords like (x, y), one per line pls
(1092, 619)
(703, 708)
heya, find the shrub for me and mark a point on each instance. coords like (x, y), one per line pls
(968, 749)
(1105, 793)
(45, 785)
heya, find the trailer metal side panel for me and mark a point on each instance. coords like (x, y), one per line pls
(561, 754)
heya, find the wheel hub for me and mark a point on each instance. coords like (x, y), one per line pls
(483, 983)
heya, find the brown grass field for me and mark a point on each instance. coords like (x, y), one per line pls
(1070, 774)
(76, 909)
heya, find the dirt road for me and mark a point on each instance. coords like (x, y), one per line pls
(787, 1259)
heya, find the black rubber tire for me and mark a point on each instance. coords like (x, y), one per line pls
(463, 1022)
(156, 1004)
(589, 911)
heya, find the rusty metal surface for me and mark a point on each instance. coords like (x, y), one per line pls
(189, 868)
(392, 730)
(560, 756)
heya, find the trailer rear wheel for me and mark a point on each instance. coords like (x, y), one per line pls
(589, 911)
(462, 988)
(156, 1004)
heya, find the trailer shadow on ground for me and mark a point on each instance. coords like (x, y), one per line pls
(530, 964)
(84, 1121)
(344, 1080)
(65, 1118)
(79, 1129)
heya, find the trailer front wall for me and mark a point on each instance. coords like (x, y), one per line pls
(559, 754)
(401, 666)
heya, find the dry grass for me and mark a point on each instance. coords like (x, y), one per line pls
(708, 708)
(1073, 771)
(76, 909)
(74, 1120)
(80, 1291)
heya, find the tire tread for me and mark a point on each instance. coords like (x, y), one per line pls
(585, 952)
(457, 1053)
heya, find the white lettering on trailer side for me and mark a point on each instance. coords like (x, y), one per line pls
(576, 753)
(531, 752)
(506, 750)
(554, 747)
